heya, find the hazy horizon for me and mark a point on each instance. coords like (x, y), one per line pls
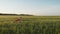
(34, 7)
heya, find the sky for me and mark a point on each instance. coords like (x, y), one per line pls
(34, 7)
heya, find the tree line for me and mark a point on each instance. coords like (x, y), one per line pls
(17, 14)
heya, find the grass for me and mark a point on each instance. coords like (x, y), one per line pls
(30, 25)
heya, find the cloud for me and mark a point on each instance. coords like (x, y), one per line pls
(52, 10)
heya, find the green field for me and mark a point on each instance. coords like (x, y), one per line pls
(30, 25)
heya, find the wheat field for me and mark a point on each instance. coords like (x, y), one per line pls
(30, 25)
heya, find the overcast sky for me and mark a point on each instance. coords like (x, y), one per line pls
(35, 7)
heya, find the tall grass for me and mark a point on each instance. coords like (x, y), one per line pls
(30, 25)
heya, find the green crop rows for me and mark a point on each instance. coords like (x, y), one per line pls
(30, 25)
